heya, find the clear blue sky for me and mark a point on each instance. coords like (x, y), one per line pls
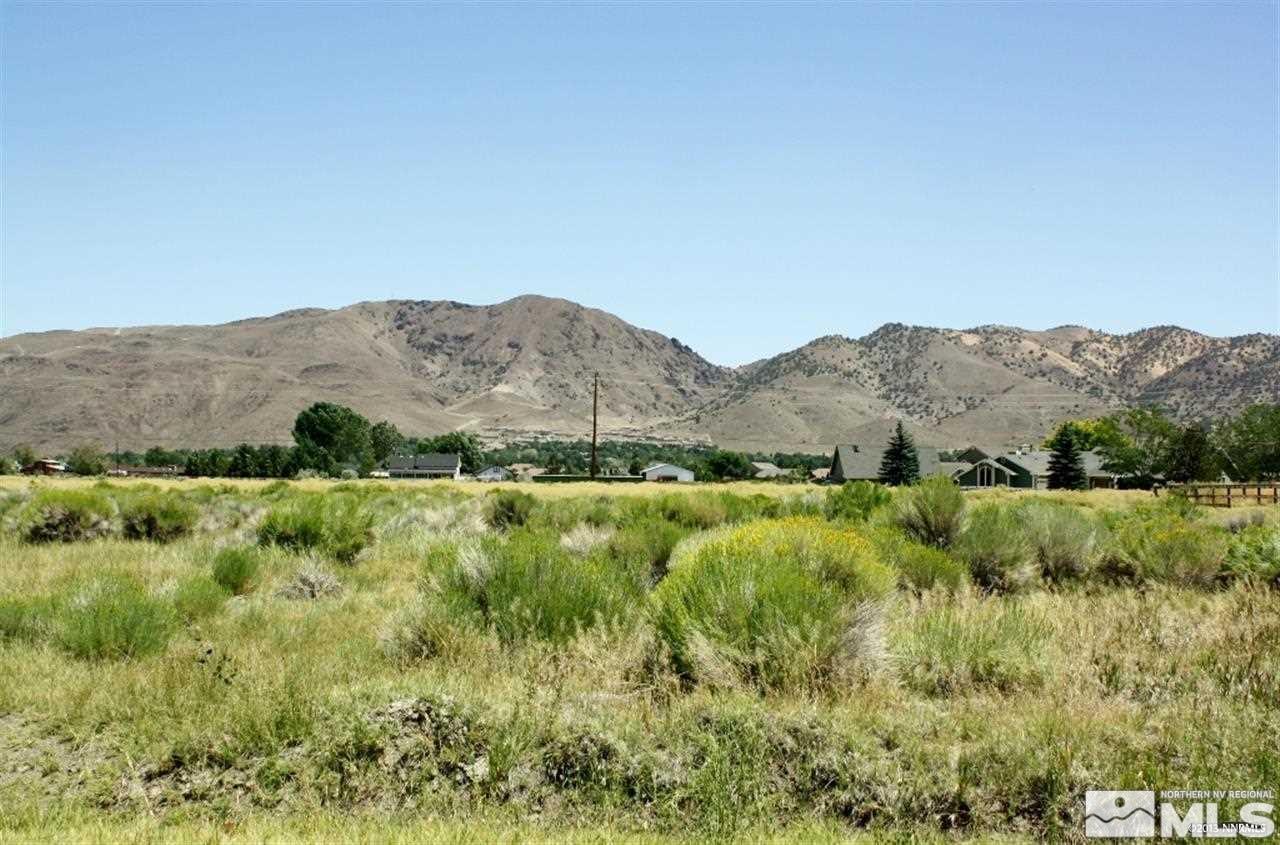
(744, 177)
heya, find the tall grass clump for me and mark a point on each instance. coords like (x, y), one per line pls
(198, 597)
(1159, 544)
(647, 545)
(66, 516)
(156, 516)
(236, 569)
(526, 586)
(960, 647)
(509, 508)
(996, 549)
(932, 512)
(919, 567)
(335, 524)
(112, 617)
(856, 500)
(1254, 555)
(780, 603)
(1065, 541)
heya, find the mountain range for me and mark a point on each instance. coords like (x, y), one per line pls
(523, 368)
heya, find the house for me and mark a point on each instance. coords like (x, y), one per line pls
(1030, 468)
(667, 472)
(526, 472)
(1023, 468)
(494, 473)
(44, 466)
(435, 465)
(856, 463)
(765, 469)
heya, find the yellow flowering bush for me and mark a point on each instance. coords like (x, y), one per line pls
(776, 603)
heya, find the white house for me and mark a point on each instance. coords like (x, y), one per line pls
(494, 474)
(667, 472)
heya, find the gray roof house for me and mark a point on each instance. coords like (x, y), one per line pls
(494, 473)
(667, 472)
(1024, 468)
(766, 469)
(855, 463)
(435, 465)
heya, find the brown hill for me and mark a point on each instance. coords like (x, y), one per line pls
(523, 367)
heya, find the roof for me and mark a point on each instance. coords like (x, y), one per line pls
(856, 462)
(648, 470)
(1036, 462)
(768, 469)
(436, 461)
(952, 468)
(493, 469)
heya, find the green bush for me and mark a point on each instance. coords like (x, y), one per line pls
(66, 516)
(334, 524)
(932, 512)
(1254, 555)
(509, 508)
(956, 648)
(1065, 541)
(112, 617)
(198, 597)
(1159, 545)
(236, 569)
(648, 545)
(526, 586)
(995, 549)
(24, 619)
(157, 516)
(856, 500)
(774, 603)
(919, 567)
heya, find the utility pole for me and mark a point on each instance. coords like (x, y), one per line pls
(595, 410)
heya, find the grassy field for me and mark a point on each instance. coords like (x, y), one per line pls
(431, 661)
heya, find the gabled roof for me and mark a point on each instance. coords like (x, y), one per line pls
(1036, 462)
(437, 461)
(855, 462)
(648, 470)
(493, 469)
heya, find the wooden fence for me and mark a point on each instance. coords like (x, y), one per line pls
(1227, 495)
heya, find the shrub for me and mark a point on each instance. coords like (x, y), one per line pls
(1065, 541)
(158, 517)
(995, 549)
(1159, 545)
(336, 525)
(932, 512)
(235, 569)
(198, 597)
(24, 619)
(776, 603)
(509, 508)
(919, 567)
(65, 516)
(959, 647)
(856, 500)
(112, 617)
(310, 582)
(527, 586)
(648, 546)
(1254, 555)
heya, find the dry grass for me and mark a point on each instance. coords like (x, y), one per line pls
(256, 722)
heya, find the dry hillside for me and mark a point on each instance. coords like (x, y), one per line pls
(523, 367)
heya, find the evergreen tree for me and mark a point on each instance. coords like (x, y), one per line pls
(1066, 467)
(901, 463)
(1191, 457)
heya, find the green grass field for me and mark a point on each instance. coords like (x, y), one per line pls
(194, 661)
